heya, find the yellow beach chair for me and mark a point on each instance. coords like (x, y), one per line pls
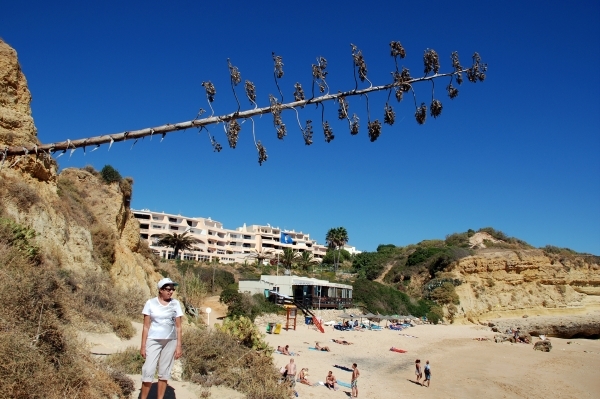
(277, 328)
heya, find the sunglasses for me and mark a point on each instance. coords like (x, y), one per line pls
(168, 288)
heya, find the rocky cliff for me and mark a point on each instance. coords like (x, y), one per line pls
(35, 195)
(503, 282)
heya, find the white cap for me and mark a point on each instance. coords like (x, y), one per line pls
(166, 281)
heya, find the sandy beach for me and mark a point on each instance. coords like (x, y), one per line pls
(461, 366)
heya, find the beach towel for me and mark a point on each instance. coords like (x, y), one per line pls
(397, 350)
(342, 367)
(344, 384)
(407, 335)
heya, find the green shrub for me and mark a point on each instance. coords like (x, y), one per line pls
(444, 294)
(20, 237)
(245, 332)
(110, 174)
(383, 299)
(435, 314)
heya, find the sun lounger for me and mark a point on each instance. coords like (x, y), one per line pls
(375, 327)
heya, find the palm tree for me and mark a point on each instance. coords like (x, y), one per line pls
(179, 242)
(306, 260)
(288, 257)
(261, 254)
(336, 238)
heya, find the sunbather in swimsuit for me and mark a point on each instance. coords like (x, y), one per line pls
(322, 348)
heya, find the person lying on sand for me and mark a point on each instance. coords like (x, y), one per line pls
(322, 348)
(331, 381)
(342, 342)
(302, 377)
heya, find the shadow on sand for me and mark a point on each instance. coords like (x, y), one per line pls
(415, 382)
(169, 393)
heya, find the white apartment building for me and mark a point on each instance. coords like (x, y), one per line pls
(218, 243)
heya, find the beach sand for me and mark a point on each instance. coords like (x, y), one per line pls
(461, 367)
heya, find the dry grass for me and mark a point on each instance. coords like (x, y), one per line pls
(215, 358)
(18, 192)
(129, 361)
(36, 347)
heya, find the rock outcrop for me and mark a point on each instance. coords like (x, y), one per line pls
(29, 194)
(515, 282)
(566, 326)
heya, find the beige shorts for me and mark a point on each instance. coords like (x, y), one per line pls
(159, 352)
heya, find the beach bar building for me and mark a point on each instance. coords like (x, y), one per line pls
(310, 292)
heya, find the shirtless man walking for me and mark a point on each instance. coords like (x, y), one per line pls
(354, 382)
(291, 373)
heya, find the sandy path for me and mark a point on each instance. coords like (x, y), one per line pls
(461, 366)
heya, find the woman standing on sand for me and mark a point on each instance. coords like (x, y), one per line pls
(161, 337)
(418, 371)
(427, 374)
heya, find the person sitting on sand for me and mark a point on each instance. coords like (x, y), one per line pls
(342, 342)
(331, 381)
(322, 348)
(302, 377)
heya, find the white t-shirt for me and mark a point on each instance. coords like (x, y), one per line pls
(162, 318)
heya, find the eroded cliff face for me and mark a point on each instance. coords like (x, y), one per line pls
(516, 282)
(29, 194)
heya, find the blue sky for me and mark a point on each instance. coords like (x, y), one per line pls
(518, 152)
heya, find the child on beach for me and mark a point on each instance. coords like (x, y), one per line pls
(354, 381)
(427, 374)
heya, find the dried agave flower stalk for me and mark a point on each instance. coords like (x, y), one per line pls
(262, 153)
(298, 93)
(389, 116)
(359, 62)
(250, 91)
(276, 111)
(236, 77)
(210, 90)
(233, 131)
(452, 91)
(278, 69)
(328, 132)
(354, 125)
(281, 131)
(307, 133)
(431, 61)
(477, 71)
(421, 114)
(343, 109)
(435, 109)
(374, 130)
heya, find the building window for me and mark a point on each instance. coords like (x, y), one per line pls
(143, 226)
(144, 236)
(155, 226)
(174, 227)
(247, 237)
(141, 216)
(172, 220)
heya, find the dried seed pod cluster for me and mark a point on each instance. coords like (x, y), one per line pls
(374, 130)
(210, 90)
(234, 73)
(319, 73)
(277, 121)
(389, 116)
(435, 109)
(421, 114)
(298, 92)
(216, 146)
(431, 61)
(354, 125)
(457, 67)
(307, 133)
(233, 132)
(359, 62)
(400, 79)
(262, 153)
(452, 91)
(477, 71)
(278, 68)
(328, 132)
(250, 91)
(397, 50)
